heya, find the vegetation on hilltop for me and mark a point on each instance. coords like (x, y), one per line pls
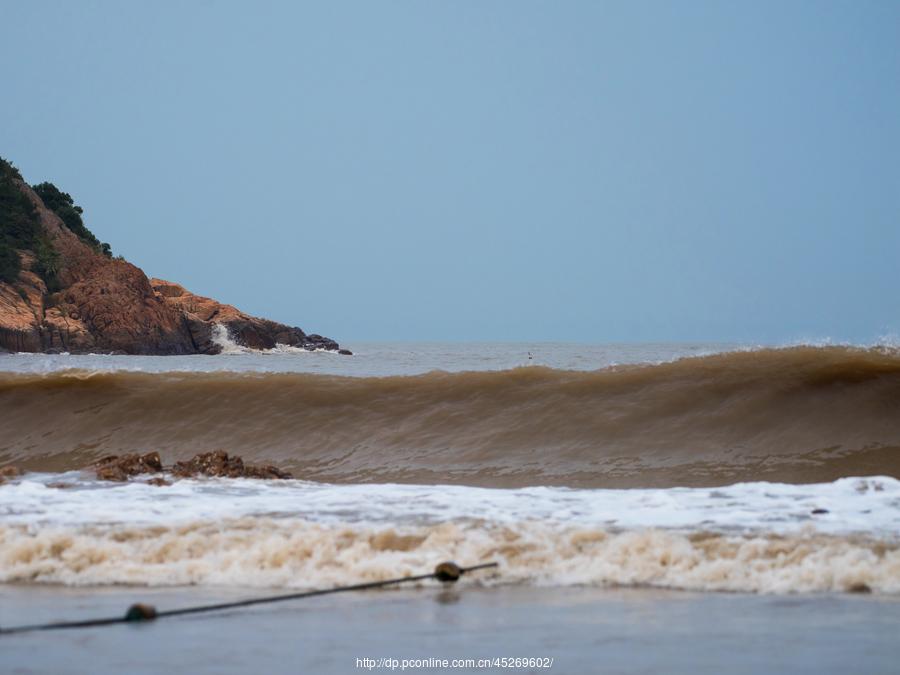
(62, 204)
(20, 227)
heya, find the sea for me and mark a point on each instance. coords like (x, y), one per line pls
(650, 508)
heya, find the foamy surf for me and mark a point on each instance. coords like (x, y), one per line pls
(758, 537)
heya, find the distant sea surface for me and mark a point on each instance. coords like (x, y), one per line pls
(377, 359)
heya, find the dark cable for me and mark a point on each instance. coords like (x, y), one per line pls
(446, 572)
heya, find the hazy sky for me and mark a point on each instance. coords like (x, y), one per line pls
(584, 171)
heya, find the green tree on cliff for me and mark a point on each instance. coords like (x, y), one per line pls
(47, 263)
(19, 226)
(63, 205)
(9, 263)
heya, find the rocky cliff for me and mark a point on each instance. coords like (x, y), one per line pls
(101, 304)
(205, 316)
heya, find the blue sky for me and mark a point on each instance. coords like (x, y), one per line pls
(584, 171)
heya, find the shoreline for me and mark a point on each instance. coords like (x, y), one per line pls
(581, 629)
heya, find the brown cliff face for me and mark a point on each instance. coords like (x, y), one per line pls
(108, 305)
(202, 314)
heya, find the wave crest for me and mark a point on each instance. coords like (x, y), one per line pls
(800, 414)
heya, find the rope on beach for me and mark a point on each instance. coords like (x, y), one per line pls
(447, 572)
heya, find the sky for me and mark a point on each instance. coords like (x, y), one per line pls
(571, 171)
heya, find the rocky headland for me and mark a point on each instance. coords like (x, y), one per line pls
(62, 291)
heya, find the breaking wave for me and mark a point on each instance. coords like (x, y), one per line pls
(760, 537)
(297, 553)
(801, 414)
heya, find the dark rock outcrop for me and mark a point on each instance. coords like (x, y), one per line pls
(8, 472)
(219, 464)
(121, 468)
(216, 464)
(204, 317)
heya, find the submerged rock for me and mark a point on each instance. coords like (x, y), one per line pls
(216, 464)
(8, 472)
(219, 464)
(60, 485)
(121, 468)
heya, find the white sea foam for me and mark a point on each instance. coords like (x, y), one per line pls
(297, 553)
(854, 505)
(222, 338)
(751, 537)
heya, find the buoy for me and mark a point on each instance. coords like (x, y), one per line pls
(140, 612)
(447, 571)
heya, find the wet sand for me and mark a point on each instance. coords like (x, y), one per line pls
(584, 630)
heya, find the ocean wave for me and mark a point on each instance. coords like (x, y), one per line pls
(791, 415)
(761, 537)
